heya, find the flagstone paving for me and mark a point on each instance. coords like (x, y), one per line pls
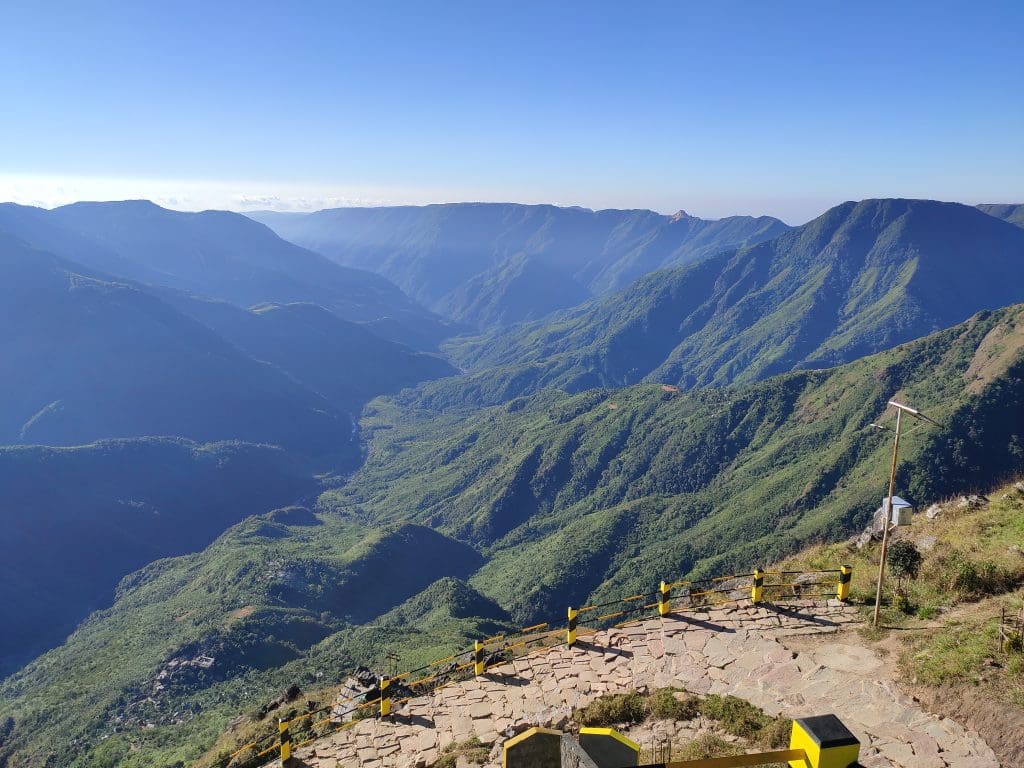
(734, 650)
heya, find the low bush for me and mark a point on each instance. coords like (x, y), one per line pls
(614, 708)
(673, 704)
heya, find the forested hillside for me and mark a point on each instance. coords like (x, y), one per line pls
(602, 493)
(221, 255)
(858, 279)
(95, 357)
(78, 520)
(494, 264)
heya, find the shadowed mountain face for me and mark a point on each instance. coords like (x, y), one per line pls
(95, 358)
(860, 278)
(219, 254)
(78, 520)
(1011, 213)
(493, 264)
(343, 361)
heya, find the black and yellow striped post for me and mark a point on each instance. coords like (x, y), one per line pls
(478, 658)
(285, 739)
(663, 599)
(385, 696)
(570, 631)
(843, 588)
(757, 591)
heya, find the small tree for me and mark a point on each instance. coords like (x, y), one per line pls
(904, 561)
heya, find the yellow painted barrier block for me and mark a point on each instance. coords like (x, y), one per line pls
(826, 742)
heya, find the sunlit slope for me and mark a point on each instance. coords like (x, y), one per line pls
(858, 279)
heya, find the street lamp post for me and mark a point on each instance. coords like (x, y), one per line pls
(887, 512)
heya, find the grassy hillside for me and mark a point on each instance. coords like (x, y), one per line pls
(96, 358)
(490, 264)
(601, 494)
(77, 520)
(272, 602)
(939, 629)
(859, 279)
(603, 489)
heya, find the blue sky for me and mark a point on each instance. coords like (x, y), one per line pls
(716, 107)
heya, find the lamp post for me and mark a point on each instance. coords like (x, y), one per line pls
(887, 511)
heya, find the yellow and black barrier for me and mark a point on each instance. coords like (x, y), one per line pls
(385, 697)
(285, 741)
(757, 590)
(843, 588)
(570, 627)
(478, 658)
(815, 742)
(664, 605)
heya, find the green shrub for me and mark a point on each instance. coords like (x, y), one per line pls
(735, 716)
(614, 708)
(664, 705)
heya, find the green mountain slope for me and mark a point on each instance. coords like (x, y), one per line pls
(94, 358)
(1011, 213)
(77, 520)
(466, 260)
(555, 499)
(343, 361)
(860, 278)
(607, 488)
(220, 254)
(269, 603)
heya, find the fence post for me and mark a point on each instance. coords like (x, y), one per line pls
(757, 590)
(825, 741)
(285, 739)
(663, 599)
(570, 632)
(843, 588)
(385, 696)
(478, 658)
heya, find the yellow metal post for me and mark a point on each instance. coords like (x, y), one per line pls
(385, 697)
(663, 599)
(757, 591)
(826, 743)
(570, 632)
(843, 588)
(285, 739)
(478, 657)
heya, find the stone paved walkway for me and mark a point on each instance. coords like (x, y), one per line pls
(732, 650)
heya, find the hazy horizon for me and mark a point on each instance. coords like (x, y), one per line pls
(718, 109)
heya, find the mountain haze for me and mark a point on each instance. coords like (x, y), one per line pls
(77, 520)
(860, 278)
(218, 254)
(480, 263)
(341, 360)
(97, 358)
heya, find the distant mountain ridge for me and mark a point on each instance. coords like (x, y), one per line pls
(95, 357)
(466, 260)
(219, 254)
(858, 279)
(1014, 214)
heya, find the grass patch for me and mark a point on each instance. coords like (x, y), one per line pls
(472, 749)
